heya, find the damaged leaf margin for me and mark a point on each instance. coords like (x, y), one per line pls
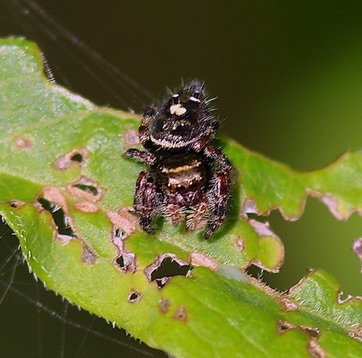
(268, 185)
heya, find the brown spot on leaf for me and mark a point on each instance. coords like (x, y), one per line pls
(123, 221)
(124, 224)
(75, 157)
(22, 143)
(85, 189)
(239, 243)
(315, 350)
(311, 331)
(166, 266)
(88, 256)
(164, 305)
(86, 207)
(131, 138)
(198, 259)
(134, 297)
(53, 201)
(16, 204)
(181, 314)
(54, 195)
(289, 305)
(65, 239)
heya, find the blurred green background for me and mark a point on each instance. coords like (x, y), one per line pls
(287, 74)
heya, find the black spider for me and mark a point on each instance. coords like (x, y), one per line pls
(187, 178)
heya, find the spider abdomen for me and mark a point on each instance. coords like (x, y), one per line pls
(182, 173)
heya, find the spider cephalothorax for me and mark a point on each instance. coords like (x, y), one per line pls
(187, 178)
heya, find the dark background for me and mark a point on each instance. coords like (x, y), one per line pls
(287, 74)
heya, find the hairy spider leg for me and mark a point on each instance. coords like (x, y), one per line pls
(218, 192)
(141, 156)
(145, 199)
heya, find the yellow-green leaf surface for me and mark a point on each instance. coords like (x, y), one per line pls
(65, 190)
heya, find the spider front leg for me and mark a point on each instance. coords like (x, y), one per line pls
(218, 193)
(141, 156)
(144, 200)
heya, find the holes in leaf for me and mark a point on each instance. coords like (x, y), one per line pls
(127, 262)
(169, 268)
(166, 266)
(284, 326)
(124, 224)
(75, 157)
(311, 331)
(118, 233)
(255, 271)
(120, 262)
(85, 189)
(133, 297)
(90, 189)
(61, 221)
(16, 204)
(117, 238)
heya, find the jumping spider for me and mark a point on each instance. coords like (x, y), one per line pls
(187, 178)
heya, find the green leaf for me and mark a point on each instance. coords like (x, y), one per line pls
(66, 190)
